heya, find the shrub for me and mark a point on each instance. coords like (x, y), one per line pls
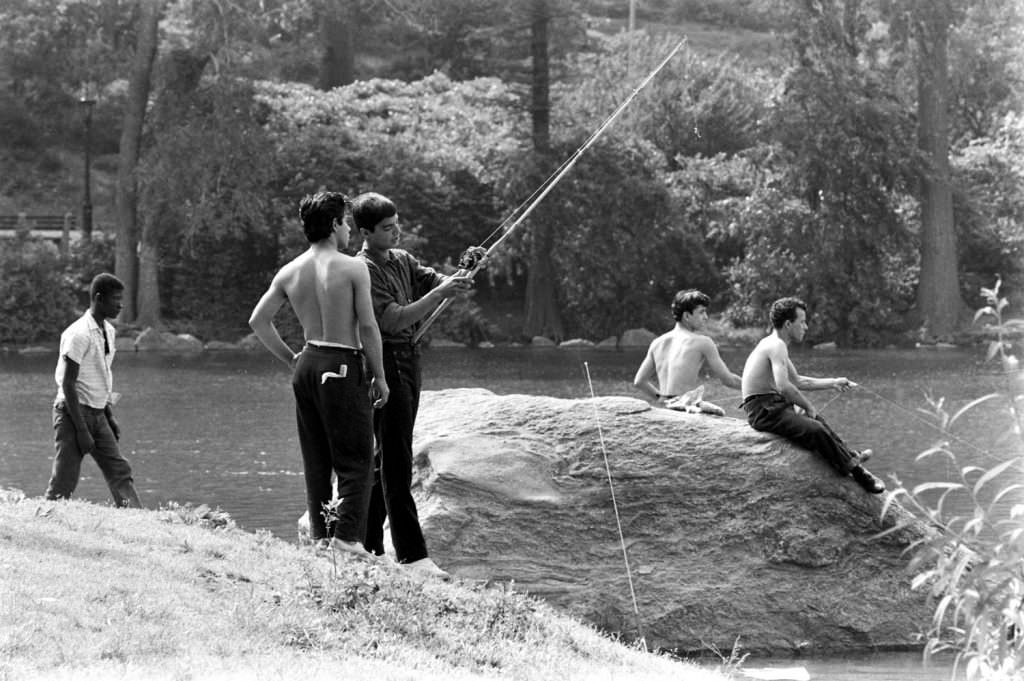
(972, 563)
(36, 299)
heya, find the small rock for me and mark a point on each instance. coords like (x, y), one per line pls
(636, 338)
(576, 343)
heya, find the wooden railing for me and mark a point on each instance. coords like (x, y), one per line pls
(61, 229)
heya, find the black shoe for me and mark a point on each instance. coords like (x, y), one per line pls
(866, 480)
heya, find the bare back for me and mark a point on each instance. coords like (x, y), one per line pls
(678, 357)
(320, 285)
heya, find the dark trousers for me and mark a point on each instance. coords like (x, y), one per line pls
(332, 410)
(392, 489)
(67, 464)
(773, 413)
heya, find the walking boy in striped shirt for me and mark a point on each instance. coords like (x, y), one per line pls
(83, 417)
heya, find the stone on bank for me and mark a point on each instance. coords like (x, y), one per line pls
(729, 532)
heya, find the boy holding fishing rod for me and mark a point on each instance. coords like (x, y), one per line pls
(404, 293)
(772, 389)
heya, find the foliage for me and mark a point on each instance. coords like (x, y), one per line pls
(50, 48)
(36, 301)
(990, 207)
(695, 106)
(619, 253)
(971, 563)
(710, 194)
(986, 67)
(434, 146)
(857, 283)
(87, 259)
(207, 185)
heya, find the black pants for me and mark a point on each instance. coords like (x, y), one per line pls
(392, 490)
(333, 412)
(773, 413)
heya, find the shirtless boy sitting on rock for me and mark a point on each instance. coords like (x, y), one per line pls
(670, 373)
(772, 391)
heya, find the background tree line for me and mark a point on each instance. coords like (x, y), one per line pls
(868, 159)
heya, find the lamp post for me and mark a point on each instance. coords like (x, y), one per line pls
(87, 101)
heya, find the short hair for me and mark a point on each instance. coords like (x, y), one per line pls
(318, 213)
(784, 310)
(104, 284)
(370, 208)
(688, 301)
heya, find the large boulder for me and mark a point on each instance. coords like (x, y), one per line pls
(729, 532)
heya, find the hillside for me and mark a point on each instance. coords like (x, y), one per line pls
(93, 592)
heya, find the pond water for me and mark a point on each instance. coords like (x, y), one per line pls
(218, 428)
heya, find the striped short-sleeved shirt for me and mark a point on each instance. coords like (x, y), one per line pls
(83, 343)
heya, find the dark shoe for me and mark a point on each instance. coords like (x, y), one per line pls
(866, 480)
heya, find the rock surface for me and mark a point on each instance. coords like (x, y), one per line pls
(729, 532)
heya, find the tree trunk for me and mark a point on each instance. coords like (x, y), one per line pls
(939, 305)
(149, 290)
(183, 71)
(126, 257)
(542, 317)
(337, 38)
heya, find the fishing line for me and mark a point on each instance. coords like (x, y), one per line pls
(916, 417)
(615, 506)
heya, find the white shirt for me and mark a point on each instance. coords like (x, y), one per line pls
(82, 343)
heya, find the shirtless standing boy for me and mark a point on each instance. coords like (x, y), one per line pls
(330, 294)
(673, 362)
(772, 389)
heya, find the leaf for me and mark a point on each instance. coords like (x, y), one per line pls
(993, 348)
(972, 404)
(993, 473)
(984, 311)
(927, 486)
(937, 449)
(921, 579)
(1002, 493)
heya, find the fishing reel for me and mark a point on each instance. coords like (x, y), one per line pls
(471, 257)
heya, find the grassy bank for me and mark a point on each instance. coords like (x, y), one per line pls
(92, 592)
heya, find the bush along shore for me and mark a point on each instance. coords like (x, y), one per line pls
(93, 592)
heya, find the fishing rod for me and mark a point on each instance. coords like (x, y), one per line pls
(615, 507)
(473, 259)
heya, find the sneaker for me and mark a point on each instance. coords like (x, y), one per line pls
(866, 480)
(352, 548)
(426, 566)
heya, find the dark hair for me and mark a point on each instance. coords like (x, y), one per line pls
(370, 208)
(784, 310)
(104, 284)
(688, 301)
(319, 211)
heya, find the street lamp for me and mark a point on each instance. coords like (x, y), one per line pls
(88, 101)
